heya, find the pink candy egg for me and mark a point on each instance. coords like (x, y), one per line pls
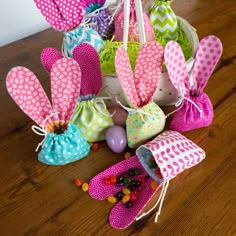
(120, 115)
(116, 138)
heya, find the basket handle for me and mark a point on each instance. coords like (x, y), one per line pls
(140, 21)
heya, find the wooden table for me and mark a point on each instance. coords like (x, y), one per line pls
(36, 199)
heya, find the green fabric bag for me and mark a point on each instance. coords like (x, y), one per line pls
(92, 118)
(144, 124)
(164, 20)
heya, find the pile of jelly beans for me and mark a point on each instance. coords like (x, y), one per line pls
(131, 186)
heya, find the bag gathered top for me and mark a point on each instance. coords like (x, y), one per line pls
(195, 109)
(90, 114)
(145, 119)
(63, 143)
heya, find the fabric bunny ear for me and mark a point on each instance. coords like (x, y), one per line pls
(49, 56)
(208, 55)
(176, 67)
(25, 89)
(65, 87)
(61, 14)
(120, 217)
(148, 70)
(88, 60)
(125, 75)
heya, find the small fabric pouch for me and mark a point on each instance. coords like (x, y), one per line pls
(133, 25)
(92, 118)
(145, 119)
(81, 34)
(195, 109)
(90, 115)
(163, 19)
(157, 162)
(63, 142)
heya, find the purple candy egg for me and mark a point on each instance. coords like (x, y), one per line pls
(116, 138)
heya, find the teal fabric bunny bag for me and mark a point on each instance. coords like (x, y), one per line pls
(63, 143)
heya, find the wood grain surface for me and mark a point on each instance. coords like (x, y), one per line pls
(36, 199)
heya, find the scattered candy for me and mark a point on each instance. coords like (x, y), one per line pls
(119, 195)
(128, 204)
(140, 188)
(95, 147)
(112, 199)
(126, 198)
(131, 188)
(154, 185)
(126, 191)
(127, 155)
(107, 181)
(133, 196)
(78, 182)
(136, 183)
(113, 179)
(127, 180)
(85, 187)
(116, 138)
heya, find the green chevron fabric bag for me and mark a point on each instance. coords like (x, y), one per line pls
(163, 19)
(81, 34)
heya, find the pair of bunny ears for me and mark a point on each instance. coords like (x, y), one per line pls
(66, 82)
(65, 15)
(207, 56)
(141, 85)
(88, 60)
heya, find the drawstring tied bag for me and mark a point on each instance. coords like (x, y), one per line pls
(90, 114)
(194, 110)
(151, 169)
(98, 17)
(63, 142)
(145, 119)
(164, 20)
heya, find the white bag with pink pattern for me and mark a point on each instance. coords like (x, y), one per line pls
(156, 162)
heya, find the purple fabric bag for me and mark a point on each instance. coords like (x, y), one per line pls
(195, 109)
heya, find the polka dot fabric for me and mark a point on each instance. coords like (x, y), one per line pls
(88, 59)
(148, 66)
(63, 15)
(65, 86)
(208, 55)
(64, 148)
(125, 75)
(49, 56)
(198, 113)
(25, 89)
(121, 217)
(176, 66)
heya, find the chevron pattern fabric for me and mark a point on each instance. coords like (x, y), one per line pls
(164, 20)
(80, 35)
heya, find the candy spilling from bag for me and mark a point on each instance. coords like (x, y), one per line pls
(157, 60)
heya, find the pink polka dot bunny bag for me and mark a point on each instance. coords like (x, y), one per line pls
(145, 119)
(195, 109)
(68, 17)
(90, 114)
(131, 184)
(63, 142)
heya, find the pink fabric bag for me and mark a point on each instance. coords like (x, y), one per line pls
(133, 26)
(172, 153)
(195, 108)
